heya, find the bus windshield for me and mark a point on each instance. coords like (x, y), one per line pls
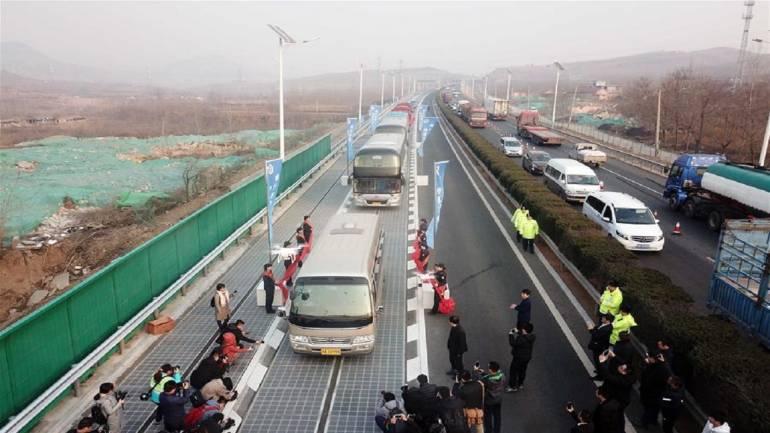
(330, 302)
(376, 161)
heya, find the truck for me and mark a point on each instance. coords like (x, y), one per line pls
(707, 186)
(739, 281)
(497, 109)
(406, 108)
(588, 154)
(527, 126)
(475, 116)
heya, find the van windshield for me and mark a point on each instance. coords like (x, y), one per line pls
(582, 179)
(634, 216)
(331, 302)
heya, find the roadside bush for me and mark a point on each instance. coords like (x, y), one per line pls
(723, 368)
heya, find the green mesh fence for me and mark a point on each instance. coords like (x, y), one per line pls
(99, 171)
(38, 349)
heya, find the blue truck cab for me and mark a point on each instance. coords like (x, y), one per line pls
(685, 175)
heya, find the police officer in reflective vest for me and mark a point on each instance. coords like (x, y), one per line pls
(529, 231)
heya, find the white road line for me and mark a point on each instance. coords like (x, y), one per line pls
(576, 346)
(711, 259)
(334, 394)
(629, 180)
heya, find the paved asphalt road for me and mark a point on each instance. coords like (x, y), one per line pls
(485, 277)
(686, 259)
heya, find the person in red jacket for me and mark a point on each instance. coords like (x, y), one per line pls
(230, 347)
(439, 285)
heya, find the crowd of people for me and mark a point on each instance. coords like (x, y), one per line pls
(473, 403)
(196, 405)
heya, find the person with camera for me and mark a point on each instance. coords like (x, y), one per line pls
(450, 411)
(472, 393)
(215, 424)
(111, 403)
(213, 367)
(618, 378)
(583, 419)
(386, 404)
(652, 384)
(172, 405)
(219, 388)
(600, 340)
(608, 415)
(399, 422)
(522, 341)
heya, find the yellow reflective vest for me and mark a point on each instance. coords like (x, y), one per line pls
(515, 218)
(519, 219)
(610, 301)
(621, 323)
(529, 229)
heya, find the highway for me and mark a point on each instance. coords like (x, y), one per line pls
(686, 259)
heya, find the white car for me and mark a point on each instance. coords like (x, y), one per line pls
(626, 219)
(511, 146)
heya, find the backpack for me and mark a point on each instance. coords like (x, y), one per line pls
(97, 414)
(196, 398)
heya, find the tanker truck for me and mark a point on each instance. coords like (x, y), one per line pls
(707, 186)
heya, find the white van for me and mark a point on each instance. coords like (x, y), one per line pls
(570, 179)
(626, 219)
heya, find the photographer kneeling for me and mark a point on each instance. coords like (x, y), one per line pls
(111, 405)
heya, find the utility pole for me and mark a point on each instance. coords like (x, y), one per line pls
(657, 124)
(473, 88)
(394, 87)
(747, 16)
(486, 80)
(508, 87)
(382, 89)
(763, 150)
(572, 107)
(401, 73)
(559, 68)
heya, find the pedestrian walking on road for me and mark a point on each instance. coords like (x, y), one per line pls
(457, 345)
(600, 340)
(111, 406)
(519, 215)
(268, 283)
(717, 423)
(529, 232)
(611, 299)
(494, 387)
(439, 285)
(222, 305)
(652, 384)
(624, 321)
(522, 340)
(671, 403)
(523, 309)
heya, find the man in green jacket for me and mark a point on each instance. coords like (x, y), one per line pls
(529, 231)
(623, 322)
(611, 299)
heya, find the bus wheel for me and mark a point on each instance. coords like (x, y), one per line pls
(715, 221)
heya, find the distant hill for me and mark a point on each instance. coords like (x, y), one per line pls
(719, 62)
(21, 59)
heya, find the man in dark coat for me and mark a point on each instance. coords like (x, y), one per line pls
(450, 411)
(651, 386)
(268, 283)
(172, 406)
(470, 391)
(307, 228)
(522, 340)
(600, 340)
(608, 414)
(523, 308)
(618, 379)
(457, 346)
(671, 403)
(209, 369)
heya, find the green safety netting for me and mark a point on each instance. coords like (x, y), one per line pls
(89, 171)
(583, 119)
(137, 199)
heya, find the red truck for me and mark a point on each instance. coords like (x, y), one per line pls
(406, 108)
(475, 116)
(526, 123)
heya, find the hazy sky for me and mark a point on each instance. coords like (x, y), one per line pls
(469, 37)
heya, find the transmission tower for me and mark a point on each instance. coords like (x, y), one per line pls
(747, 16)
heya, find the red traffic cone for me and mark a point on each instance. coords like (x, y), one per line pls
(677, 229)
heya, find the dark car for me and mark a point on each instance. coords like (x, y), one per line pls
(534, 161)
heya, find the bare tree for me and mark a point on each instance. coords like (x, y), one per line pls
(190, 176)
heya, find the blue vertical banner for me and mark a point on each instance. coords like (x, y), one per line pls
(439, 169)
(352, 123)
(374, 117)
(273, 180)
(425, 127)
(421, 111)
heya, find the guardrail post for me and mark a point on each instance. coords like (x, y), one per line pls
(182, 290)
(122, 346)
(156, 314)
(76, 388)
(205, 270)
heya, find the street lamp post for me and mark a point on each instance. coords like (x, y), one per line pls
(360, 92)
(657, 124)
(508, 87)
(283, 39)
(559, 68)
(486, 80)
(394, 88)
(382, 89)
(763, 149)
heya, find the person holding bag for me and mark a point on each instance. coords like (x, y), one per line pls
(472, 393)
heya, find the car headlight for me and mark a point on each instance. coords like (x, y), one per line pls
(360, 339)
(660, 238)
(628, 238)
(298, 338)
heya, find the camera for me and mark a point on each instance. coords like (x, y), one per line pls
(121, 395)
(144, 396)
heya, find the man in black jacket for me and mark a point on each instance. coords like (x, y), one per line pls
(457, 345)
(522, 340)
(268, 283)
(651, 386)
(671, 403)
(307, 228)
(583, 420)
(618, 379)
(450, 411)
(600, 340)
(213, 367)
(608, 414)
(470, 391)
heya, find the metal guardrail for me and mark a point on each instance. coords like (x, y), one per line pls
(18, 422)
(629, 158)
